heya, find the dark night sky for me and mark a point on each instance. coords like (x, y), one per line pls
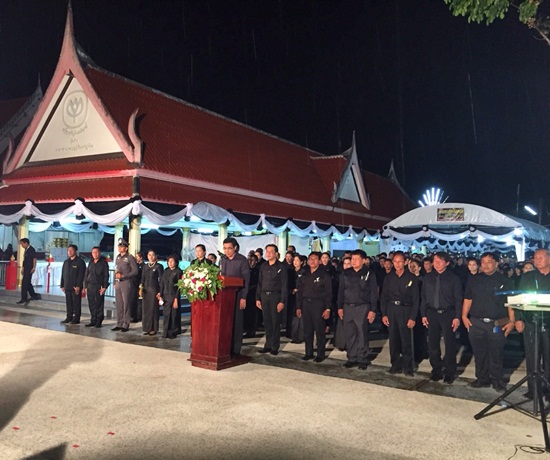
(394, 71)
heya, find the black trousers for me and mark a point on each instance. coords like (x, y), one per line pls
(238, 321)
(140, 309)
(73, 302)
(169, 315)
(135, 312)
(290, 314)
(401, 348)
(272, 320)
(250, 318)
(312, 315)
(26, 286)
(488, 348)
(420, 341)
(356, 328)
(441, 324)
(96, 302)
(544, 351)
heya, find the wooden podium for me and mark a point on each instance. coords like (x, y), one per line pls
(212, 326)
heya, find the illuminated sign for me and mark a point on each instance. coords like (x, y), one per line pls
(450, 214)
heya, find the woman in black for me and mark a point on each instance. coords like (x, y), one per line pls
(420, 336)
(170, 297)
(296, 326)
(251, 311)
(150, 287)
(331, 270)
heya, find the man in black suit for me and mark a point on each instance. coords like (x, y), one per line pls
(29, 267)
(72, 282)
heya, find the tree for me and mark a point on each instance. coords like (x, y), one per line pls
(489, 10)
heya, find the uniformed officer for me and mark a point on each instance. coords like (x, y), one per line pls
(314, 298)
(536, 280)
(399, 304)
(125, 271)
(271, 297)
(96, 282)
(488, 322)
(357, 300)
(440, 309)
(72, 281)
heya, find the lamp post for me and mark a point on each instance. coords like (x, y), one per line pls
(534, 212)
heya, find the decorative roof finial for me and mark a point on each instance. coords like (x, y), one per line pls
(68, 36)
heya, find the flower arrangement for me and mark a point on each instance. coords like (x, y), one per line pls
(200, 282)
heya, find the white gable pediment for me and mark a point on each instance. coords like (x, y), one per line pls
(70, 127)
(349, 189)
(351, 186)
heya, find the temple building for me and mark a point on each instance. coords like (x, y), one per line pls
(102, 153)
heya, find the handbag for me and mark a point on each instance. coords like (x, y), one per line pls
(339, 335)
(297, 334)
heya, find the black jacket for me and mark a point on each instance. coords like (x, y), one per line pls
(317, 286)
(450, 292)
(72, 274)
(358, 288)
(97, 273)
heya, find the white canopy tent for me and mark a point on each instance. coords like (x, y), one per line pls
(464, 228)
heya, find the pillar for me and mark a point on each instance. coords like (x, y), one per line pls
(282, 243)
(325, 241)
(134, 235)
(22, 232)
(222, 235)
(184, 242)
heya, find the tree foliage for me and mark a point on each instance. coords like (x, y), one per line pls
(488, 10)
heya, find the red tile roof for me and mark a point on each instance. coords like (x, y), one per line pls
(196, 144)
(66, 191)
(153, 190)
(9, 108)
(330, 170)
(386, 198)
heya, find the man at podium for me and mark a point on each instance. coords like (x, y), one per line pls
(236, 265)
(536, 280)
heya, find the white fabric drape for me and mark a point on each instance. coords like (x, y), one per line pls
(76, 228)
(158, 219)
(168, 232)
(205, 211)
(37, 227)
(106, 229)
(507, 237)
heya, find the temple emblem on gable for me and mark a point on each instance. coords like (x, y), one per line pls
(75, 111)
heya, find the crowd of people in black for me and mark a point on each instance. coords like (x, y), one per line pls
(419, 299)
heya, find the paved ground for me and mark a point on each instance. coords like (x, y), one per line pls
(99, 394)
